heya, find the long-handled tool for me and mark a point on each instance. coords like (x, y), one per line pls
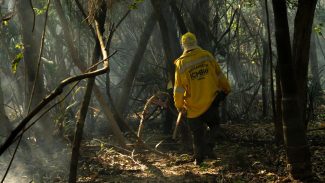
(179, 117)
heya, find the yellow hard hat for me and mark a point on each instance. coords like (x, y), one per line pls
(189, 41)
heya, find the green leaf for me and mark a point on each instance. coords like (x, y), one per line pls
(318, 28)
(39, 11)
(19, 46)
(5, 22)
(16, 61)
(133, 6)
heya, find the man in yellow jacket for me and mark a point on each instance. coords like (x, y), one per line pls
(199, 87)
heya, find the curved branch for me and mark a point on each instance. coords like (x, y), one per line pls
(56, 92)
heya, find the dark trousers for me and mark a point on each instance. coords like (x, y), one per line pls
(203, 139)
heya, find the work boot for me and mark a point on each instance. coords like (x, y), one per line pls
(198, 155)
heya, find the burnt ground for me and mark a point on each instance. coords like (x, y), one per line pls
(245, 153)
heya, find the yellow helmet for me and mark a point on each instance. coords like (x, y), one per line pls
(189, 41)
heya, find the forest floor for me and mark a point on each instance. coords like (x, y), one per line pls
(245, 154)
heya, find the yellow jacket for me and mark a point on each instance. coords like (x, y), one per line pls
(198, 79)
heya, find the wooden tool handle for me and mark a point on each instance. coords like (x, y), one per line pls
(179, 117)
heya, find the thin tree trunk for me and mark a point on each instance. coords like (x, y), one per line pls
(179, 18)
(77, 61)
(86, 101)
(277, 114)
(264, 79)
(135, 64)
(176, 52)
(157, 5)
(278, 125)
(160, 7)
(265, 58)
(201, 24)
(79, 128)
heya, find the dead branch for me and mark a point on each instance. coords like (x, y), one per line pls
(155, 99)
(55, 93)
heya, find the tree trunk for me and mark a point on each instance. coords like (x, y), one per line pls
(264, 79)
(301, 45)
(276, 109)
(80, 123)
(179, 18)
(201, 24)
(157, 5)
(161, 9)
(77, 61)
(176, 49)
(278, 125)
(298, 155)
(86, 101)
(135, 64)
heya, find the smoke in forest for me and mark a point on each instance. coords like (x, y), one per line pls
(145, 45)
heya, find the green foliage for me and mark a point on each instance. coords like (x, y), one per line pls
(318, 28)
(249, 4)
(16, 61)
(18, 57)
(40, 11)
(19, 46)
(5, 22)
(135, 4)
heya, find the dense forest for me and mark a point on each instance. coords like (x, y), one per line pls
(86, 90)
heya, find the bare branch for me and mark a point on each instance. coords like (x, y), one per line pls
(56, 92)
